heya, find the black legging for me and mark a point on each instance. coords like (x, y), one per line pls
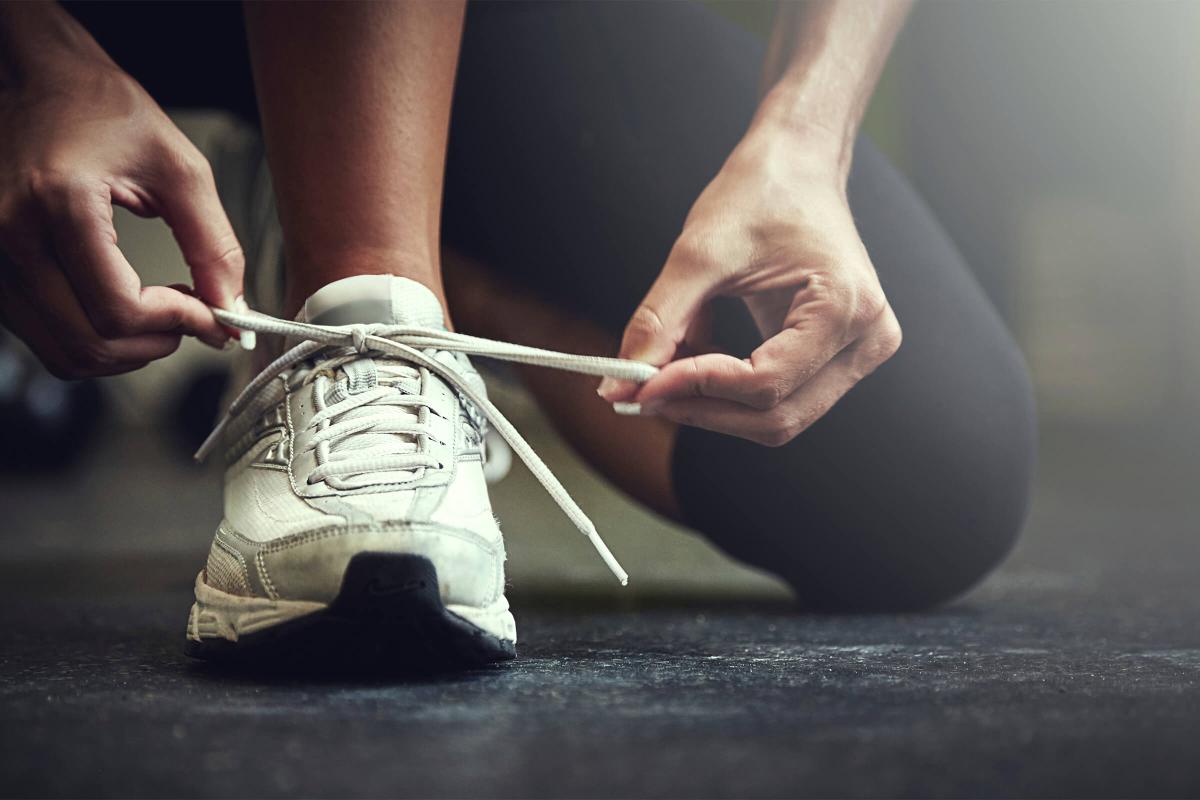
(581, 134)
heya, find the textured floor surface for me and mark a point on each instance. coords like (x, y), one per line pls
(1074, 670)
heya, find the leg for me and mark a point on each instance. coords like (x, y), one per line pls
(917, 483)
(570, 174)
(356, 520)
(375, 97)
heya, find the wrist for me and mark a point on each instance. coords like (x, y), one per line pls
(39, 38)
(787, 153)
(817, 128)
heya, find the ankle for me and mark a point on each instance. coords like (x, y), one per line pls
(307, 273)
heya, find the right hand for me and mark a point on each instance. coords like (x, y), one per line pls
(78, 135)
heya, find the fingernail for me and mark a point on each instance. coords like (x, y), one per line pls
(635, 409)
(606, 387)
(248, 339)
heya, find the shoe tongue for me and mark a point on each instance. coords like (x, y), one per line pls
(365, 299)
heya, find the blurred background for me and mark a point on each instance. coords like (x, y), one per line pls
(1058, 143)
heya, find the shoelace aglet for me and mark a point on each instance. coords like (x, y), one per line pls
(606, 555)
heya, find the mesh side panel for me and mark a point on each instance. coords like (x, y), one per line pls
(224, 571)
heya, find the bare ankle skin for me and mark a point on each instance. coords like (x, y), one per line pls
(634, 453)
(306, 273)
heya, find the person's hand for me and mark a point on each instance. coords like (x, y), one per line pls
(773, 228)
(78, 135)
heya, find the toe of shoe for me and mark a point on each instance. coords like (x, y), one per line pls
(312, 565)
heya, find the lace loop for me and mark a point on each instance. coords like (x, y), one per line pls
(407, 344)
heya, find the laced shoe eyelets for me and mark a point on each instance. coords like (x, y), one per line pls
(418, 346)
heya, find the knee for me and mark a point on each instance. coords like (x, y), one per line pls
(936, 531)
(921, 554)
(903, 517)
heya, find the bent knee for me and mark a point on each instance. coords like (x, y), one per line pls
(918, 549)
(910, 529)
(914, 558)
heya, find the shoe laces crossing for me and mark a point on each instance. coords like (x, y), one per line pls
(358, 413)
(372, 432)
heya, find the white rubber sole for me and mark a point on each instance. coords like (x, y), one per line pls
(218, 615)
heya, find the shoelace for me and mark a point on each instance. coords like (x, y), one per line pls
(366, 429)
(406, 343)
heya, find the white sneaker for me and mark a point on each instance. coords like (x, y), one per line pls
(356, 511)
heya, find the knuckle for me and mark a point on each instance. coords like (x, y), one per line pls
(832, 295)
(91, 356)
(114, 321)
(188, 166)
(776, 436)
(767, 395)
(644, 324)
(230, 259)
(871, 304)
(780, 429)
(690, 250)
(51, 188)
(890, 339)
(173, 318)
(883, 345)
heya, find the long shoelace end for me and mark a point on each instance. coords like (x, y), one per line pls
(609, 559)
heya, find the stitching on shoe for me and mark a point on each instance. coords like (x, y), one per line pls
(291, 434)
(265, 575)
(334, 531)
(237, 556)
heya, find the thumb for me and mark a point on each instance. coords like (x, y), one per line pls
(659, 325)
(196, 217)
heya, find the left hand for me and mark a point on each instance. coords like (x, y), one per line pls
(774, 228)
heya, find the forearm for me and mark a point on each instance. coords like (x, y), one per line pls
(35, 35)
(822, 65)
(355, 102)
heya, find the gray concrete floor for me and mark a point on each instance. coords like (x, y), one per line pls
(1074, 670)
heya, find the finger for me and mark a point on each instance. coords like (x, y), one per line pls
(107, 286)
(31, 328)
(659, 325)
(105, 357)
(773, 372)
(772, 428)
(189, 204)
(47, 315)
(698, 338)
